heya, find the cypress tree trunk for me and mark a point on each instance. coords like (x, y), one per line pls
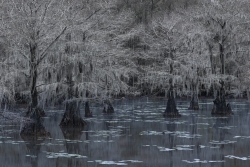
(34, 128)
(171, 110)
(194, 104)
(72, 116)
(87, 110)
(220, 106)
(108, 108)
(33, 106)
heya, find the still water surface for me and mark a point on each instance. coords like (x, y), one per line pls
(136, 135)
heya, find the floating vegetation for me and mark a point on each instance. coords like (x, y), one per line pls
(132, 161)
(145, 145)
(111, 163)
(103, 141)
(202, 161)
(186, 135)
(5, 137)
(122, 162)
(154, 133)
(31, 156)
(13, 142)
(178, 148)
(106, 133)
(242, 137)
(195, 161)
(201, 146)
(65, 155)
(50, 144)
(202, 124)
(177, 133)
(235, 157)
(184, 147)
(222, 142)
(165, 149)
(227, 127)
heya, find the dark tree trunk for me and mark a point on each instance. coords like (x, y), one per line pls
(72, 116)
(87, 110)
(210, 47)
(220, 106)
(33, 106)
(34, 128)
(222, 58)
(108, 108)
(171, 110)
(194, 104)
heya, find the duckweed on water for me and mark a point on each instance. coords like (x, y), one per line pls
(63, 155)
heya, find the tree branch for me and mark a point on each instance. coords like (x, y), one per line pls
(43, 55)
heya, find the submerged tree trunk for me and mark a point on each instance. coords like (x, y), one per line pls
(220, 106)
(72, 116)
(34, 128)
(87, 110)
(171, 110)
(108, 108)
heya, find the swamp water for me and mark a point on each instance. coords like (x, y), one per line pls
(136, 135)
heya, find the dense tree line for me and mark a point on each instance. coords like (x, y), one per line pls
(61, 51)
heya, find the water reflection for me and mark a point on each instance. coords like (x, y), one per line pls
(171, 127)
(72, 136)
(136, 135)
(33, 150)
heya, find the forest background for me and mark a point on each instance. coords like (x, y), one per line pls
(93, 50)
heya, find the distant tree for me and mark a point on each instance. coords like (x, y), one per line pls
(7, 81)
(223, 21)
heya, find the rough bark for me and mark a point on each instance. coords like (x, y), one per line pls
(108, 108)
(72, 116)
(220, 106)
(87, 110)
(194, 104)
(171, 110)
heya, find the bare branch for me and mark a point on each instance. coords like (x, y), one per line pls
(43, 55)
